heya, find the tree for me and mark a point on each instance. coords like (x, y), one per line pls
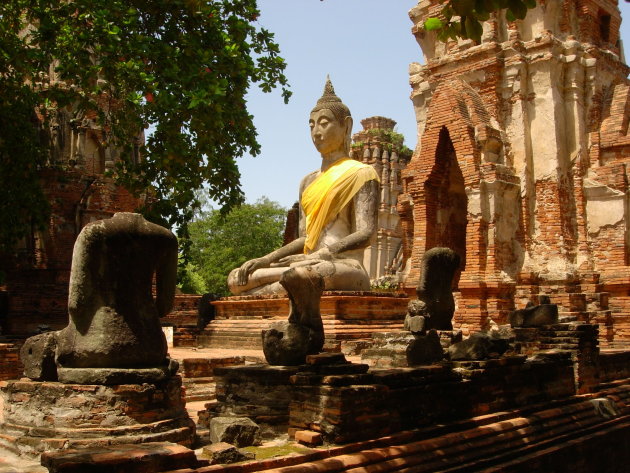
(220, 243)
(181, 67)
(464, 18)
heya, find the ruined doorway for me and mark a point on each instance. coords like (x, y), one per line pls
(447, 203)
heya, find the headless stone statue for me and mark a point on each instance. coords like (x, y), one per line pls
(114, 333)
(338, 207)
(288, 343)
(435, 288)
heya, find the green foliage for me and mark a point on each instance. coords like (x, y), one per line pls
(405, 153)
(390, 136)
(392, 139)
(264, 452)
(219, 243)
(181, 67)
(385, 284)
(190, 280)
(464, 18)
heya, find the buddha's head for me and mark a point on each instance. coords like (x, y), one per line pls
(331, 123)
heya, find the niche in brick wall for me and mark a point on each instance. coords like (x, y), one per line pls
(446, 201)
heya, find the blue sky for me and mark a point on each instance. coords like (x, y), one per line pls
(366, 46)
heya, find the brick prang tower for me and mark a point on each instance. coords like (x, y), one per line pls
(521, 164)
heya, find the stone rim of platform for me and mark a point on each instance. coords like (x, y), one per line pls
(116, 376)
(397, 294)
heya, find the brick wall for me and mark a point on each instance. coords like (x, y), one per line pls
(38, 275)
(10, 365)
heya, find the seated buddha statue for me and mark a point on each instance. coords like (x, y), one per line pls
(338, 206)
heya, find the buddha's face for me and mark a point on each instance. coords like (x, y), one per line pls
(327, 133)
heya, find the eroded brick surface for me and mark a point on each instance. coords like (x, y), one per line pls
(521, 164)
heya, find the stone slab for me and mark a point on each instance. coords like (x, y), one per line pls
(111, 376)
(152, 457)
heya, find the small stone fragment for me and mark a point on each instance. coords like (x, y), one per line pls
(325, 358)
(479, 346)
(534, 316)
(308, 438)
(239, 431)
(224, 453)
(415, 324)
(38, 356)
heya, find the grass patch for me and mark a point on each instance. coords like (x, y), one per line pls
(262, 453)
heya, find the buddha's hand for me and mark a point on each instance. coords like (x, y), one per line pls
(323, 254)
(289, 260)
(249, 267)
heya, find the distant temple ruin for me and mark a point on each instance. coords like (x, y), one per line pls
(78, 192)
(521, 163)
(379, 145)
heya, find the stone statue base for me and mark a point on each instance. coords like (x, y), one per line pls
(111, 376)
(44, 416)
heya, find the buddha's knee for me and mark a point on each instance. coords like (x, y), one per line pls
(232, 281)
(347, 278)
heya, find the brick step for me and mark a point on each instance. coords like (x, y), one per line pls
(337, 335)
(495, 441)
(178, 435)
(81, 435)
(466, 450)
(200, 397)
(261, 326)
(358, 317)
(474, 444)
(345, 333)
(154, 456)
(199, 389)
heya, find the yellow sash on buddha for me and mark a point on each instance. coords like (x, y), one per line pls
(324, 198)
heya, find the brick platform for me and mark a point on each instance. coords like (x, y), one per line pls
(351, 407)
(586, 433)
(184, 312)
(44, 416)
(349, 319)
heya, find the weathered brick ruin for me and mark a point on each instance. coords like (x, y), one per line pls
(521, 164)
(520, 168)
(78, 192)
